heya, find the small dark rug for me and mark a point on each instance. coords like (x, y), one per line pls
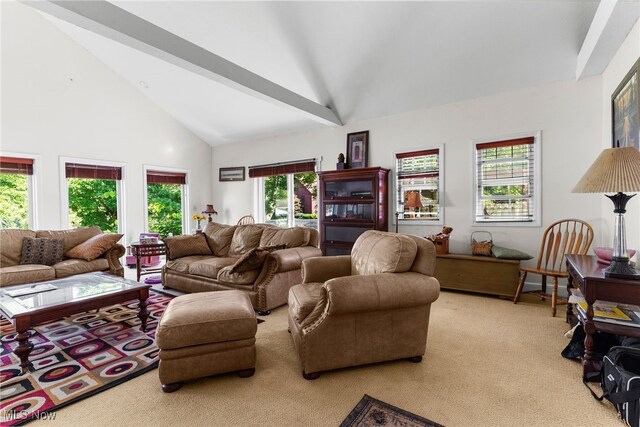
(373, 412)
(76, 357)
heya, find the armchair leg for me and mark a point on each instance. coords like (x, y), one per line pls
(415, 359)
(311, 376)
(554, 296)
(263, 312)
(523, 276)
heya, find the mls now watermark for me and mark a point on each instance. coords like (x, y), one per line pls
(20, 415)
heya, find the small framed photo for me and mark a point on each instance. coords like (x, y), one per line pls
(357, 149)
(625, 110)
(231, 174)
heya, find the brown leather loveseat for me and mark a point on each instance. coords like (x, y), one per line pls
(260, 259)
(83, 250)
(370, 306)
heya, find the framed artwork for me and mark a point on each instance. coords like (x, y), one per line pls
(625, 110)
(357, 149)
(231, 174)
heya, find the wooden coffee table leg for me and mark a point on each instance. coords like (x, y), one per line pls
(143, 314)
(24, 345)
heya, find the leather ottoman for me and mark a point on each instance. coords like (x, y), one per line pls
(205, 334)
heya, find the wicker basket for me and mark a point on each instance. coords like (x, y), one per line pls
(482, 247)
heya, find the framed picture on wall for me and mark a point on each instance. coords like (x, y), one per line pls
(231, 174)
(357, 149)
(625, 110)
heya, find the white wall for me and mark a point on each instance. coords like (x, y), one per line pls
(625, 57)
(58, 100)
(568, 114)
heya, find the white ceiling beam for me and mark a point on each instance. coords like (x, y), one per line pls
(611, 23)
(110, 21)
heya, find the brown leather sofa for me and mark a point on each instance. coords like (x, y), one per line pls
(14, 273)
(267, 285)
(370, 306)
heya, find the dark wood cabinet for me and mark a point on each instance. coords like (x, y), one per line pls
(351, 202)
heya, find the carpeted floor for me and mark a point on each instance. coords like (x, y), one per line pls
(488, 363)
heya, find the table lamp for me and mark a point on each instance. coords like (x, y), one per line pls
(616, 170)
(209, 211)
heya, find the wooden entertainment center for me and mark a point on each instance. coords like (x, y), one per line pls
(481, 274)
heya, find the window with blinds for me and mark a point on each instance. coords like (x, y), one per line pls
(506, 181)
(418, 185)
(288, 193)
(16, 192)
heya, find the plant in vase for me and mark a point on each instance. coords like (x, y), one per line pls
(197, 217)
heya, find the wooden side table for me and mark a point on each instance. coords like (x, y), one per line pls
(587, 275)
(141, 250)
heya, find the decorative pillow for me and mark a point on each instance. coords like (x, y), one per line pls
(94, 247)
(506, 253)
(41, 251)
(180, 246)
(254, 259)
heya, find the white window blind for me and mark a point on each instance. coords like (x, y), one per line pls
(418, 185)
(505, 181)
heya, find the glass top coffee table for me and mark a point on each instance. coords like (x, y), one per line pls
(29, 305)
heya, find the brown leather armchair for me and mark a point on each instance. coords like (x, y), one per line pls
(370, 306)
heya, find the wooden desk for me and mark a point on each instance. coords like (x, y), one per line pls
(586, 274)
(141, 250)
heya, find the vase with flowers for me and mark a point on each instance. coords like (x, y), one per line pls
(197, 217)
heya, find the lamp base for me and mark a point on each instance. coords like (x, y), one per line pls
(620, 269)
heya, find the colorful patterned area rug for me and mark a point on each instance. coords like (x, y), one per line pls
(373, 412)
(76, 357)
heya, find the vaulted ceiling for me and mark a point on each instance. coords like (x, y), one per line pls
(360, 59)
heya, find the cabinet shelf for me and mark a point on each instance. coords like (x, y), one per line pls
(351, 202)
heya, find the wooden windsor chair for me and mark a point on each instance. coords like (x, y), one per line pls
(568, 236)
(247, 219)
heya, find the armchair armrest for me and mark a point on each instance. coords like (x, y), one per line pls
(113, 256)
(321, 269)
(384, 291)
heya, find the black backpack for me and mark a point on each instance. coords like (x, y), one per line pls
(620, 381)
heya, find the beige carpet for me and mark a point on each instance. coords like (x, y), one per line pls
(488, 363)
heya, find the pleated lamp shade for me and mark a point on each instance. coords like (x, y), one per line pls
(615, 170)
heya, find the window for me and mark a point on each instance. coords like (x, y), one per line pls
(94, 195)
(16, 192)
(166, 199)
(419, 186)
(506, 183)
(284, 188)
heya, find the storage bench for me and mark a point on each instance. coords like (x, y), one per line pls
(486, 275)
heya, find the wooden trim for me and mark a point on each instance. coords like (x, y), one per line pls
(417, 153)
(505, 143)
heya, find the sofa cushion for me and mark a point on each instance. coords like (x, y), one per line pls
(245, 238)
(292, 237)
(93, 247)
(187, 245)
(303, 299)
(71, 267)
(181, 265)
(377, 252)
(41, 251)
(11, 246)
(28, 273)
(245, 278)
(72, 237)
(210, 266)
(219, 237)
